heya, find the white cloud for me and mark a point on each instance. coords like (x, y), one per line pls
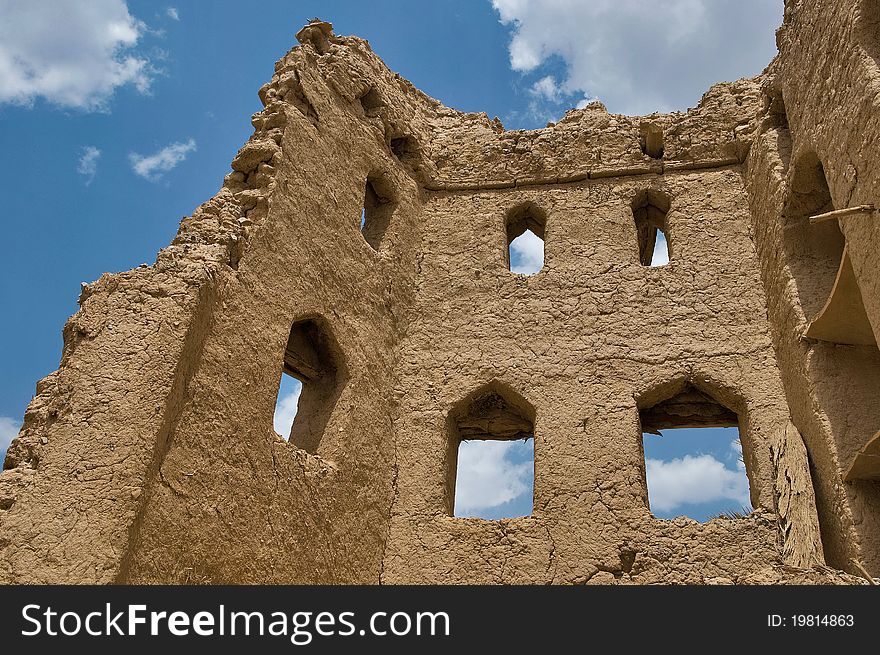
(8, 431)
(72, 54)
(694, 479)
(152, 167)
(547, 88)
(640, 56)
(487, 477)
(88, 163)
(171, 12)
(285, 409)
(526, 253)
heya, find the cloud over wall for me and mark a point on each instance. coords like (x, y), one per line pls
(638, 56)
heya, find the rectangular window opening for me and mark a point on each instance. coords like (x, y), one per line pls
(490, 459)
(495, 478)
(694, 464)
(696, 472)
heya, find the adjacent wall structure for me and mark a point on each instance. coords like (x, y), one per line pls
(817, 148)
(361, 243)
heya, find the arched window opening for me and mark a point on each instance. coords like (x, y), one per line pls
(491, 456)
(377, 211)
(649, 209)
(814, 251)
(694, 464)
(525, 228)
(312, 377)
(826, 283)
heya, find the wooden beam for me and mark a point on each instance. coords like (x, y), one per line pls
(299, 367)
(839, 213)
(689, 409)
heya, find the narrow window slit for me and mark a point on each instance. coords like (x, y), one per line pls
(775, 121)
(371, 102)
(651, 139)
(660, 255)
(649, 210)
(287, 404)
(312, 377)
(377, 211)
(405, 148)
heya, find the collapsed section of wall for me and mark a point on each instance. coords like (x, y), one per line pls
(322, 290)
(150, 455)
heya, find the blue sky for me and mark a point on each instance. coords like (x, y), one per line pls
(119, 117)
(695, 473)
(495, 479)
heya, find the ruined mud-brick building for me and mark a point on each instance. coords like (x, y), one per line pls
(150, 455)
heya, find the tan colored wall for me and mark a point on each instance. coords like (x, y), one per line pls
(233, 501)
(829, 86)
(150, 455)
(580, 341)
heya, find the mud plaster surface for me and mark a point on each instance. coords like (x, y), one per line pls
(149, 456)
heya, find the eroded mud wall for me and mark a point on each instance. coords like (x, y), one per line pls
(821, 108)
(150, 456)
(586, 342)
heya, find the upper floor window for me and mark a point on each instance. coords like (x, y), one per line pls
(525, 227)
(649, 209)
